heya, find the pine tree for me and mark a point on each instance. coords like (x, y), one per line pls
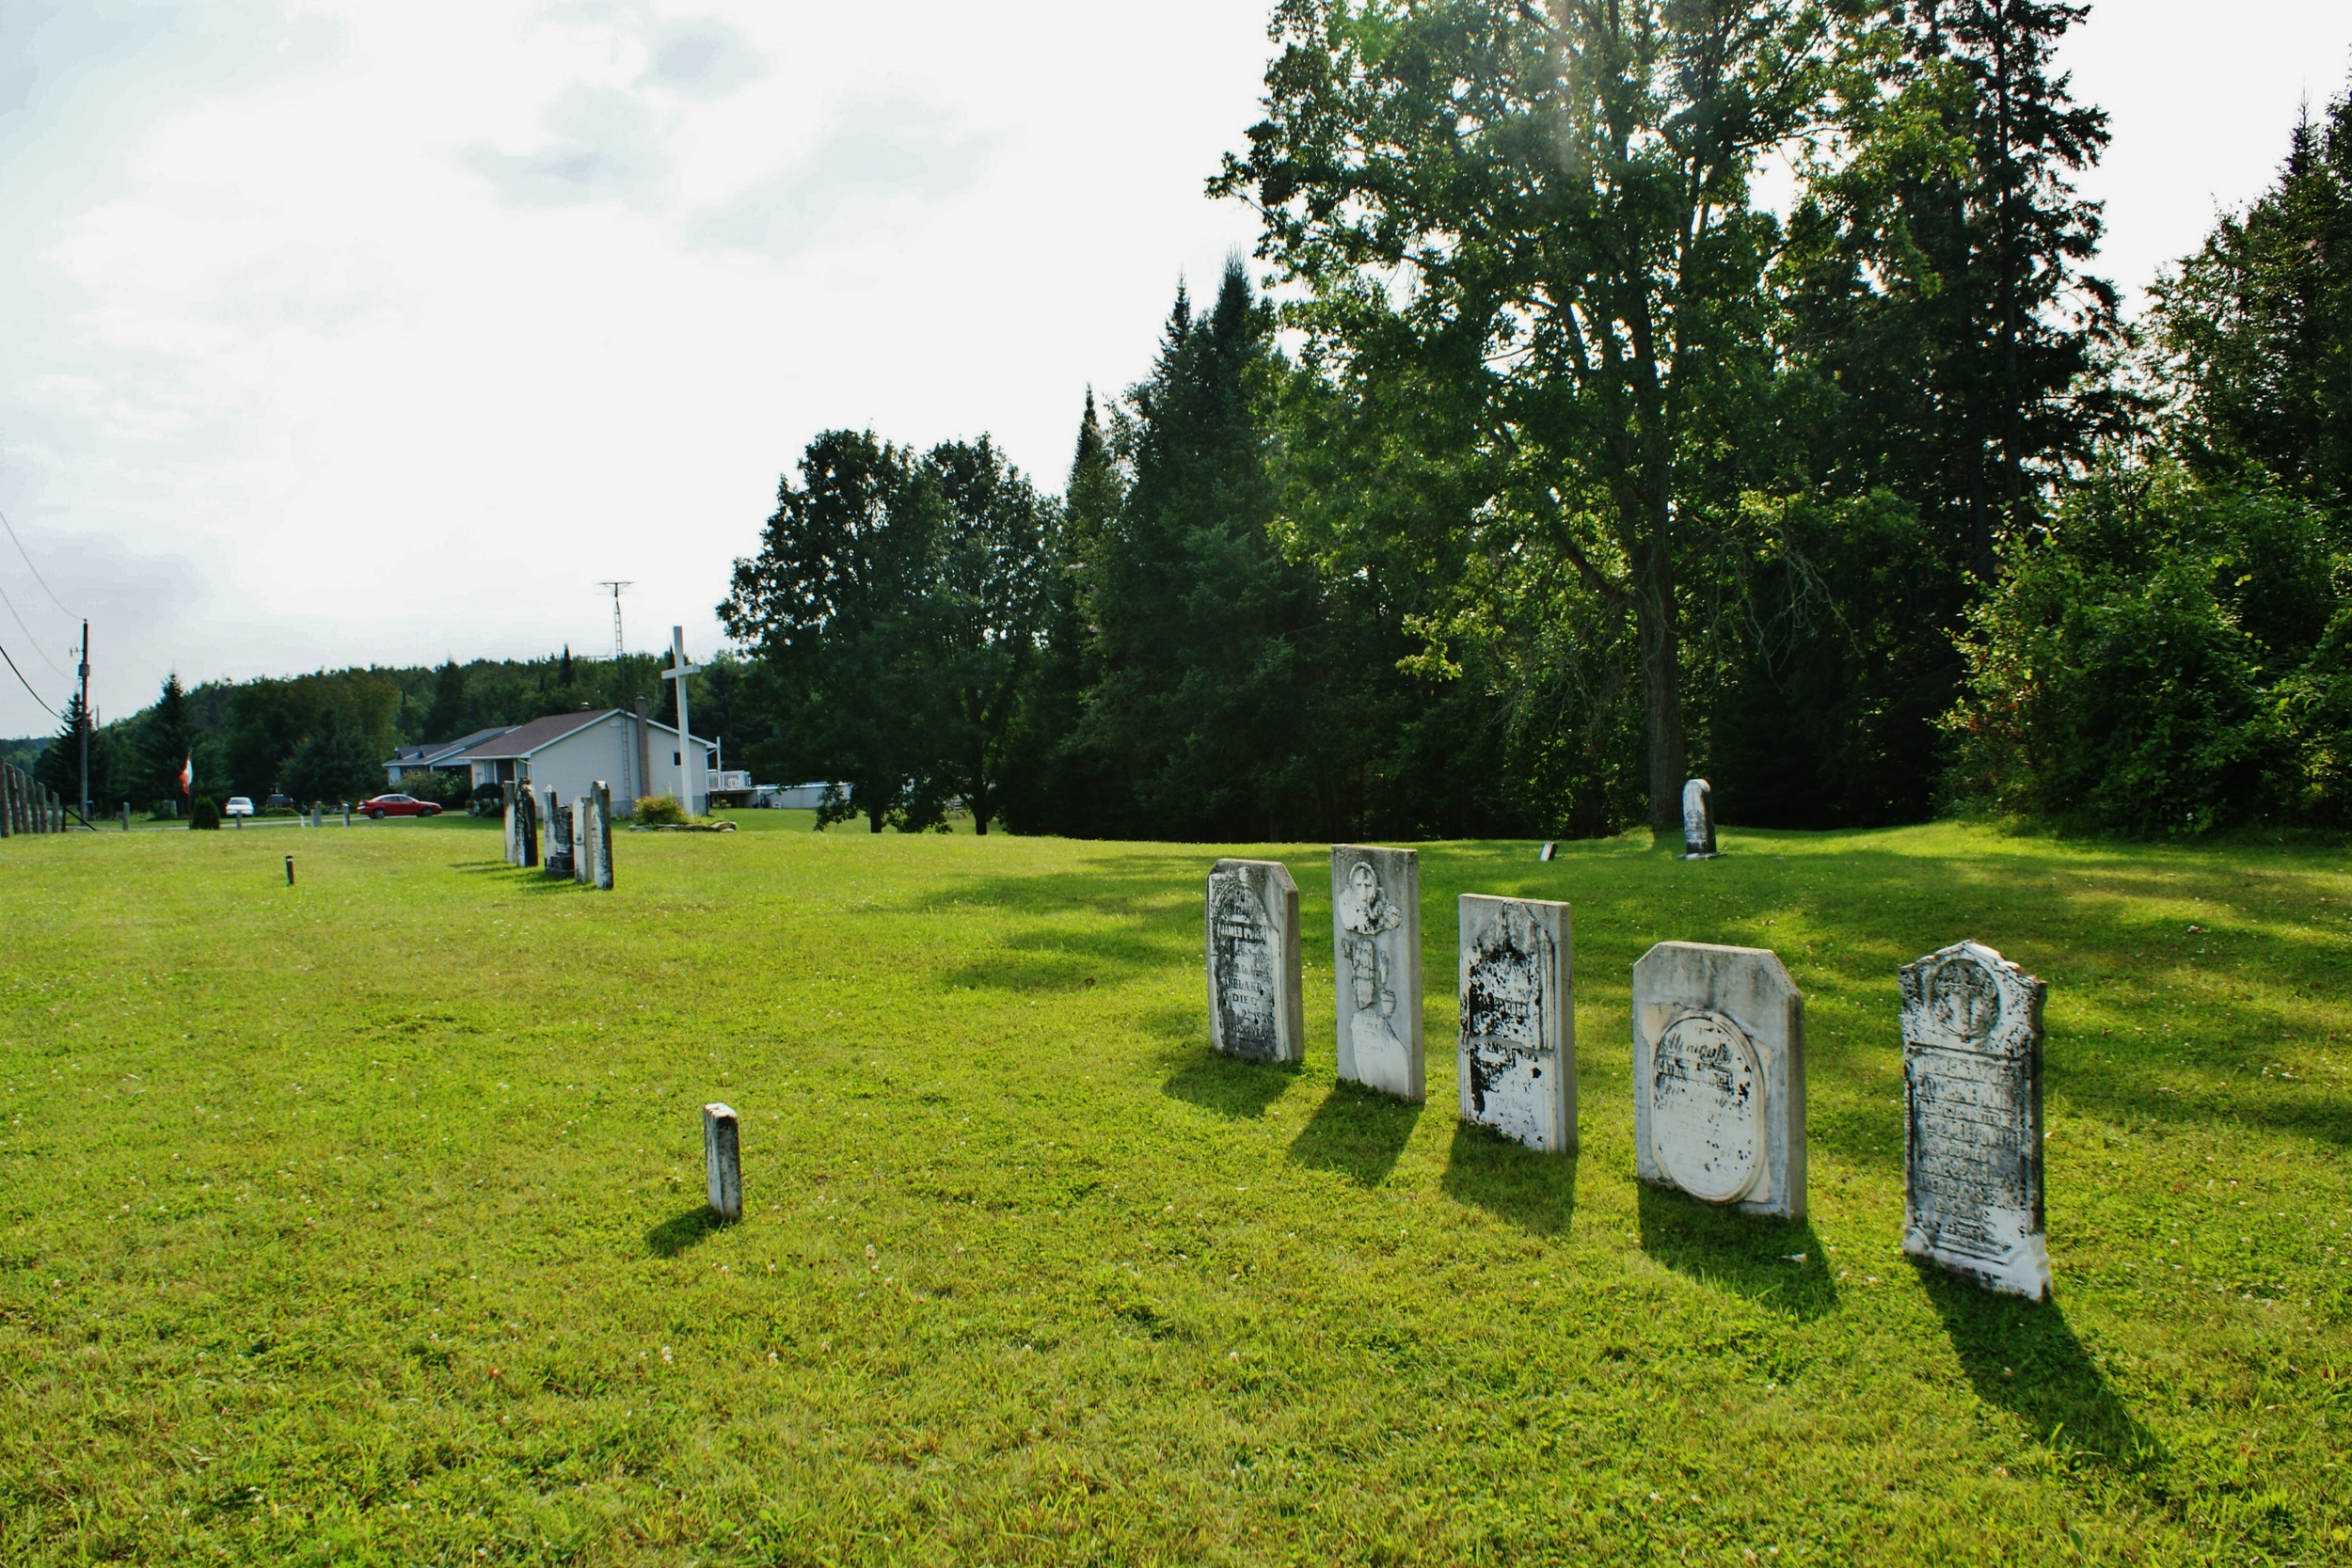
(333, 763)
(170, 741)
(446, 718)
(58, 768)
(565, 678)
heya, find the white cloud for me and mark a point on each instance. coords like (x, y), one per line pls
(605, 148)
(705, 59)
(878, 158)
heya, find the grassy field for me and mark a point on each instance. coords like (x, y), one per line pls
(362, 1221)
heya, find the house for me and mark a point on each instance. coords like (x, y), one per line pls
(567, 753)
(439, 756)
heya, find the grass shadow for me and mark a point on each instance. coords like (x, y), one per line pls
(1532, 1190)
(2023, 1356)
(1752, 1255)
(682, 1232)
(1230, 1086)
(1357, 1132)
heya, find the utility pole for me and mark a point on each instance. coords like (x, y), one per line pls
(619, 650)
(86, 723)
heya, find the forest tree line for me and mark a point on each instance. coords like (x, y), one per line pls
(1562, 469)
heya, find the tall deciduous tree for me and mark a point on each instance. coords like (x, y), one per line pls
(1547, 210)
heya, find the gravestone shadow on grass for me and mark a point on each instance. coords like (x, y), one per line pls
(1748, 1254)
(1230, 1086)
(1358, 1133)
(2023, 1356)
(676, 1234)
(1532, 1190)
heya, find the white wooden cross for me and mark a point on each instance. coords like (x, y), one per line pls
(677, 672)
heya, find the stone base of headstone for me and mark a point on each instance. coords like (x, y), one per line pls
(1376, 936)
(723, 1161)
(1972, 1128)
(1718, 1076)
(1257, 1008)
(1515, 1059)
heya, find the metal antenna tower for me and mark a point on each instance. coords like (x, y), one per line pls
(619, 649)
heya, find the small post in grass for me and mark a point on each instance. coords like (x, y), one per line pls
(722, 1162)
(290, 871)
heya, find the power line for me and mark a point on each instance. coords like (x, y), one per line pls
(28, 631)
(28, 686)
(30, 567)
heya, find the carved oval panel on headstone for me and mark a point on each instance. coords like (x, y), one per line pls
(1706, 1107)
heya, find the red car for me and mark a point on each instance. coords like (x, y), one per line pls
(396, 805)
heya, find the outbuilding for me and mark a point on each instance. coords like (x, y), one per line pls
(634, 754)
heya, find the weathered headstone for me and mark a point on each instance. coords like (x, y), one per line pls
(513, 848)
(1550, 848)
(1699, 821)
(1376, 931)
(526, 826)
(722, 1162)
(1257, 1007)
(1517, 1060)
(559, 861)
(126, 817)
(583, 844)
(318, 814)
(1972, 1138)
(600, 806)
(1718, 1076)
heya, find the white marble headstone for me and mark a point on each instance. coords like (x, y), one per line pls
(1718, 1076)
(1376, 936)
(1257, 1007)
(1972, 1144)
(1515, 1062)
(1699, 821)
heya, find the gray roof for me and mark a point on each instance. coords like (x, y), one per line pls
(443, 753)
(524, 739)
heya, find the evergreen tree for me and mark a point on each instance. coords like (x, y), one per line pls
(565, 678)
(334, 762)
(170, 740)
(2256, 328)
(446, 718)
(58, 768)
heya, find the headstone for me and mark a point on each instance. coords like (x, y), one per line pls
(318, 814)
(583, 843)
(1718, 1076)
(1972, 1141)
(1550, 848)
(559, 861)
(126, 817)
(1257, 1007)
(1376, 931)
(514, 850)
(526, 826)
(601, 808)
(1515, 1064)
(722, 1162)
(1699, 821)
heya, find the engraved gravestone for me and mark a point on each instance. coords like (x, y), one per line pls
(1375, 935)
(1699, 821)
(559, 861)
(583, 845)
(1515, 1063)
(601, 808)
(1718, 1076)
(1972, 1142)
(1257, 1008)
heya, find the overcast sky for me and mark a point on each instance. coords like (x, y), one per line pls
(347, 333)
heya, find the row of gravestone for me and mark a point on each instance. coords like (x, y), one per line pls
(579, 836)
(1718, 1050)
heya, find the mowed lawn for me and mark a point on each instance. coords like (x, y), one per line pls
(362, 1221)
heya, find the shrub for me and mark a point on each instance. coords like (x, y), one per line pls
(659, 811)
(203, 813)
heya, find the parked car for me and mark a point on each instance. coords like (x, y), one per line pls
(383, 806)
(239, 805)
(278, 802)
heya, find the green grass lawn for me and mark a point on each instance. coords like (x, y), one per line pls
(362, 1221)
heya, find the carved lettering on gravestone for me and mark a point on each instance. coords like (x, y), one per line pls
(1972, 1081)
(1699, 821)
(559, 836)
(1256, 1008)
(1516, 1060)
(1706, 1107)
(1375, 919)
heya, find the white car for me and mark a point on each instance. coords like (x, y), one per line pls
(238, 806)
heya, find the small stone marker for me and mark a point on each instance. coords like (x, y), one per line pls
(601, 808)
(1551, 847)
(126, 817)
(318, 814)
(1718, 1076)
(1257, 1005)
(1375, 932)
(722, 1162)
(1972, 1124)
(1517, 1060)
(290, 871)
(559, 861)
(1699, 821)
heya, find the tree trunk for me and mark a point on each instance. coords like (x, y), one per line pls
(1662, 690)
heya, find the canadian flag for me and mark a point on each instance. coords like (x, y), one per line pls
(187, 773)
